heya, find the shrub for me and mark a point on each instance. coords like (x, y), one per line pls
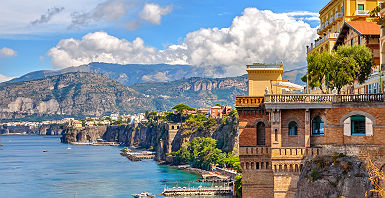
(315, 174)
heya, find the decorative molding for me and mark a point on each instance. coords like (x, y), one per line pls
(363, 113)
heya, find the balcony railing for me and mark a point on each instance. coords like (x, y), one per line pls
(249, 101)
(339, 15)
(325, 38)
(359, 98)
(361, 12)
(298, 98)
(322, 98)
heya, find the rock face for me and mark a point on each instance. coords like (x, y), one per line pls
(155, 135)
(52, 129)
(195, 92)
(85, 134)
(71, 94)
(334, 176)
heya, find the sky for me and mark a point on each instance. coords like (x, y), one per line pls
(54, 34)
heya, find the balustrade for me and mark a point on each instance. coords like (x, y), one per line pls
(322, 98)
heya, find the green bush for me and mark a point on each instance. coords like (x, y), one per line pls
(315, 175)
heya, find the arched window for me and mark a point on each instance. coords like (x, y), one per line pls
(317, 126)
(293, 129)
(358, 124)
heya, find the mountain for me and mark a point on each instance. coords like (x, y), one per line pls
(70, 94)
(195, 92)
(80, 94)
(125, 74)
(140, 73)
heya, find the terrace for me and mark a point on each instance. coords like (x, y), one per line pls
(309, 101)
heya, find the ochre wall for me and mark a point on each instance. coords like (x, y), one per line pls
(259, 80)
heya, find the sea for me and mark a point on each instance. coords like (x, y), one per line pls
(81, 171)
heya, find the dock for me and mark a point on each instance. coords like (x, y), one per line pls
(138, 156)
(188, 191)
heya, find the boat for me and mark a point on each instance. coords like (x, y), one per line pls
(68, 147)
(45, 151)
(143, 195)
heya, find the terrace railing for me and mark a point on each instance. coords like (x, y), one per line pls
(299, 98)
(249, 100)
(323, 98)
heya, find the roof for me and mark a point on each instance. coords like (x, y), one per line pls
(361, 27)
(365, 28)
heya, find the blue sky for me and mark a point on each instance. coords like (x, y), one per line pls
(25, 47)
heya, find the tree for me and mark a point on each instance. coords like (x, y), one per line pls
(217, 104)
(342, 67)
(351, 64)
(238, 185)
(318, 69)
(180, 108)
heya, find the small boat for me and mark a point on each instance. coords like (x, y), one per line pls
(45, 151)
(143, 195)
(68, 147)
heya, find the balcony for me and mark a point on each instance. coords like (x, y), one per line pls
(246, 101)
(322, 98)
(325, 38)
(361, 12)
(339, 15)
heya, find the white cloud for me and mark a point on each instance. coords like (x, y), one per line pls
(7, 52)
(16, 16)
(304, 15)
(158, 77)
(256, 36)
(4, 78)
(153, 13)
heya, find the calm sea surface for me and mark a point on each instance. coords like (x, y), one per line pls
(87, 171)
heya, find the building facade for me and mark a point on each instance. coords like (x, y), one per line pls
(334, 15)
(277, 132)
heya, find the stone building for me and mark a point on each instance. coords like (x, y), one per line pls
(278, 131)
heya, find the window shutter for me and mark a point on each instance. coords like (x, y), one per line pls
(347, 127)
(368, 127)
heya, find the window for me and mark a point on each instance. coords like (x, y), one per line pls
(361, 7)
(351, 42)
(293, 129)
(374, 88)
(358, 124)
(359, 40)
(317, 126)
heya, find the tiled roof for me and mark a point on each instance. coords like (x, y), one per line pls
(365, 28)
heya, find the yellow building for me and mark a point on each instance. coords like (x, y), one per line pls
(262, 77)
(333, 16)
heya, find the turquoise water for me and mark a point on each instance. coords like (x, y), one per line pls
(84, 171)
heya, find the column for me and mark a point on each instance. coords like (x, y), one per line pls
(307, 128)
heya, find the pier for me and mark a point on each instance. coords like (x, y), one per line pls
(188, 191)
(138, 156)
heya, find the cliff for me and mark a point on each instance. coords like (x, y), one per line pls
(71, 94)
(334, 176)
(52, 129)
(155, 135)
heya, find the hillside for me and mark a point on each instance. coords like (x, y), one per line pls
(124, 74)
(195, 92)
(140, 73)
(71, 94)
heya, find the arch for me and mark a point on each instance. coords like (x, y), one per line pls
(352, 113)
(293, 128)
(264, 121)
(261, 134)
(296, 168)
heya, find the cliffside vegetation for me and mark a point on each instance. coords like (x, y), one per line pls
(203, 153)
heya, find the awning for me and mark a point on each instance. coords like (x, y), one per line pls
(289, 85)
